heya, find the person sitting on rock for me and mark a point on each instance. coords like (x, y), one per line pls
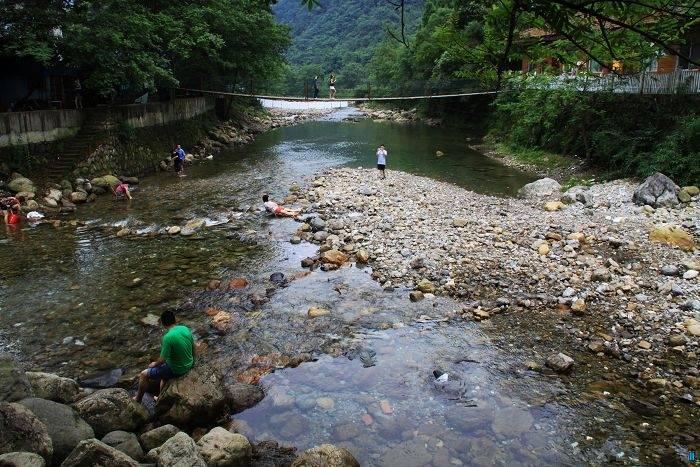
(277, 210)
(121, 189)
(11, 205)
(177, 354)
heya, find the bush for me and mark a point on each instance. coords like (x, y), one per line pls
(625, 133)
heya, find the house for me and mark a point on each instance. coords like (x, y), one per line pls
(28, 85)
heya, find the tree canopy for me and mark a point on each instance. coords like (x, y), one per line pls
(137, 45)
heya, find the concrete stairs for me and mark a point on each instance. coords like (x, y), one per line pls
(93, 132)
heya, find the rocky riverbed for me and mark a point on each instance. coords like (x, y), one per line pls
(623, 277)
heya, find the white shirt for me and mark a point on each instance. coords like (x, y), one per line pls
(381, 156)
(270, 206)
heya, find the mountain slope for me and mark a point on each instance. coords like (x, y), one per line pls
(339, 36)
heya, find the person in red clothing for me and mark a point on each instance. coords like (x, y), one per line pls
(121, 189)
(11, 208)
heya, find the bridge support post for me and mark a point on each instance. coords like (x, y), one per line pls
(369, 91)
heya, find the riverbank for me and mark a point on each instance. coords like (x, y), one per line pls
(592, 266)
(100, 171)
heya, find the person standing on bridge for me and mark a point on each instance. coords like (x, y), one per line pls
(331, 83)
(381, 160)
(316, 88)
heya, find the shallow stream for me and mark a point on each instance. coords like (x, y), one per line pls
(73, 301)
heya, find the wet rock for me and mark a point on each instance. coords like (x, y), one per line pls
(22, 431)
(151, 320)
(326, 455)
(560, 363)
(105, 182)
(277, 278)
(657, 191)
(123, 232)
(78, 197)
(223, 448)
(512, 421)
(416, 296)
(20, 184)
(14, 384)
(179, 450)
(672, 235)
(315, 312)
(53, 387)
(326, 403)
(295, 240)
(104, 379)
(334, 257)
(22, 459)
(307, 262)
(195, 224)
(96, 453)
(238, 283)
(174, 230)
(124, 442)
(243, 396)
(65, 428)
(641, 407)
(221, 321)
(156, 437)
(412, 453)
(197, 398)
(542, 188)
(110, 410)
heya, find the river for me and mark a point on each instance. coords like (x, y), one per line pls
(73, 299)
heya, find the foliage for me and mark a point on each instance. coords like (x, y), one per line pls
(337, 36)
(628, 134)
(132, 46)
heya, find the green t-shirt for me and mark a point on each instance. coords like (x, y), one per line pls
(177, 349)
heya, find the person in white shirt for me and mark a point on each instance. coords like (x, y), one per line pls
(277, 210)
(381, 160)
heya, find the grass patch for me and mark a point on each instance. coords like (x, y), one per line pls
(537, 157)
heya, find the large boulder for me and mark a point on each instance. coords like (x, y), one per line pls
(94, 452)
(110, 410)
(22, 459)
(672, 235)
(21, 430)
(14, 384)
(220, 447)
(63, 424)
(243, 396)
(78, 197)
(21, 184)
(53, 387)
(180, 450)
(198, 398)
(657, 190)
(105, 182)
(539, 189)
(125, 442)
(575, 194)
(155, 438)
(326, 455)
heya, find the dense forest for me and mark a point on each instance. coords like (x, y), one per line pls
(339, 36)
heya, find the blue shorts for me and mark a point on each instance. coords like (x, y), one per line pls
(161, 371)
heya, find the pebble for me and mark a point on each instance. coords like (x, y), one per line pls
(691, 274)
(326, 403)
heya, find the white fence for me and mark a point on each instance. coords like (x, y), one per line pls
(676, 82)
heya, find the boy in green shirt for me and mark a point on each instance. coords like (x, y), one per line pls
(176, 355)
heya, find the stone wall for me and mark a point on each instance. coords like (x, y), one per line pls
(41, 126)
(38, 126)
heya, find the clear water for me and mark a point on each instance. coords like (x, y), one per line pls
(82, 282)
